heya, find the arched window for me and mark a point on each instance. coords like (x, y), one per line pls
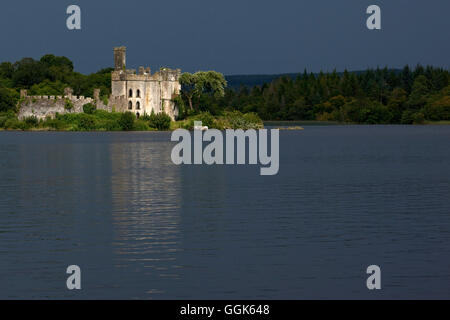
(130, 105)
(138, 105)
(137, 115)
(130, 93)
(138, 93)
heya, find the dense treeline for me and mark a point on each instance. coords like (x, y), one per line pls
(373, 96)
(47, 76)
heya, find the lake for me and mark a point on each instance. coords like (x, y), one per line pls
(139, 227)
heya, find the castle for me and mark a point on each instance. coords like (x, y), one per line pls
(141, 93)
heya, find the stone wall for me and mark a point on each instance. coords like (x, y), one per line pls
(42, 107)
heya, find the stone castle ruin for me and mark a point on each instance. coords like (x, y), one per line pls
(141, 93)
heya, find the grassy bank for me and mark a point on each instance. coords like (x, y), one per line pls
(300, 123)
(438, 122)
(99, 120)
(228, 120)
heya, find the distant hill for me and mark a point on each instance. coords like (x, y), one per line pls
(251, 80)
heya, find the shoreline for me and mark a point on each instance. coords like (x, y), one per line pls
(280, 125)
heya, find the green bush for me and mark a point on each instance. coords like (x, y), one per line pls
(206, 118)
(86, 122)
(412, 117)
(68, 105)
(140, 125)
(31, 121)
(5, 116)
(105, 100)
(126, 121)
(89, 108)
(160, 121)
(237, 120)
(418, 118)
(3, 120)
(52, 123)
(13, 123)
(253, 120)
(111, 125)
(407, 117)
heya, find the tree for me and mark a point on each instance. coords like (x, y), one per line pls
(209, 82)
(419, 92)
(48, 88)
(396, 104)
(187, 81)
(49, 60)
(28, 72)
(438, 108)
(8, 99)
(126, 121)
(6, 70)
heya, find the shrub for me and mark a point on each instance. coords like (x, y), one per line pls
(141, 125)
(68, 105)
(5, 116)
(160, 121)
(237, 120)
(13, 123)
(206, 118)
(86, 122)
(418, 118)
(111, 125)
(253, 120)
(412, 117)
(52, 123)
(31, 121)
(407, 117)
(89, 108)
(126, 121)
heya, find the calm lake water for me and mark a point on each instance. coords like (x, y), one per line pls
(346, 197)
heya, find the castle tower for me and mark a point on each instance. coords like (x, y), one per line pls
(120, 57)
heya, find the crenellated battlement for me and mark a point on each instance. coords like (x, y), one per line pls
(71, 98)
(165, 74)
(48, 106)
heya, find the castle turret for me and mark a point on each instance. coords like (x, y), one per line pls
(120, 57)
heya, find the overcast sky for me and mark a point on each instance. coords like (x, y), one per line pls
(232, 36)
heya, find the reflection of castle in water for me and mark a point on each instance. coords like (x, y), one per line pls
(146, 199)
(162, 213)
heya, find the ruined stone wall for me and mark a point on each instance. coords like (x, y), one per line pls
(42, 107)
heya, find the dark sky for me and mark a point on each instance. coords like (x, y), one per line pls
(232, 36)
